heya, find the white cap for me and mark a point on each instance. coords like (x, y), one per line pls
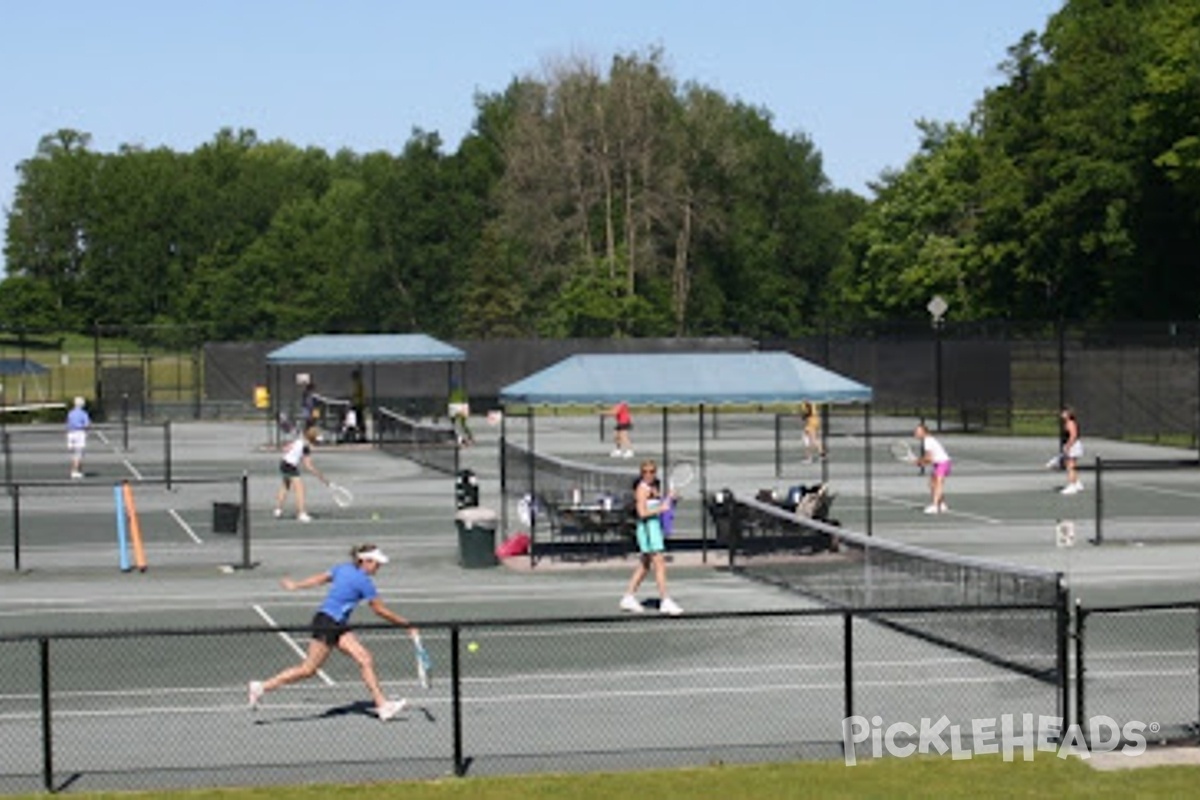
(375, 555)
(79, 402)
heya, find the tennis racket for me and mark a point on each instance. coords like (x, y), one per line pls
(682, 473)
(424, 663)
(902, 451)
(341, 495)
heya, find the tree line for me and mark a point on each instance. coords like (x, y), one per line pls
(619, 201)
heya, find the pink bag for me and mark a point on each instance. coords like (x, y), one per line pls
(515, 545)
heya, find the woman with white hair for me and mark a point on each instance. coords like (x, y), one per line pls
(78, 422)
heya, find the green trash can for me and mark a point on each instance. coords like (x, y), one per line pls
(476, 537)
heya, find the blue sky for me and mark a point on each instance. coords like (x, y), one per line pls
(853, 75)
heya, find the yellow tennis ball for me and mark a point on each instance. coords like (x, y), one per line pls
(375, 515)
(473, 646)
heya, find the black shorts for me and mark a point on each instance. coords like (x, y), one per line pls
(327, 629)
(288, 471)
(624, 426)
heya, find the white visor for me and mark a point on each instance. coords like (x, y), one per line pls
(375, 555)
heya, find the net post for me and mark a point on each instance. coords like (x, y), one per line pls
(1099, 513)
(778, 445)
(245, 480)
(8, 460)
(15, 489)
(460, 766)
(47, 728)
(125, 421)
(167, 451)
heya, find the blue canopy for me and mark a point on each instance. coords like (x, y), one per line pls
(376, 348)
(684, 379)
(21, 366)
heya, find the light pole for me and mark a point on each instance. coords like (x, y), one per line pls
(937, 311)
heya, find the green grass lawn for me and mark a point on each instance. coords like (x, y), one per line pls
(1046, 776)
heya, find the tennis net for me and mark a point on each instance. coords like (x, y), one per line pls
(429, 444)
(550, 478)
(1156, 504)
(330, 413)
(1021, 632)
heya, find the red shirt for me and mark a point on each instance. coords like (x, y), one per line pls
(621, 412)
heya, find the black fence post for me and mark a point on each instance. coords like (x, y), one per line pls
(8, 465)
(704, 492)
(1063, 631)
(868, 467)
(847, 668)
(937, 368)
(460, 766)
(47, 730)
(1099, 538)
(1080, 695)
(503, 473)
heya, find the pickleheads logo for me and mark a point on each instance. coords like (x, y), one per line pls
(1101, 734)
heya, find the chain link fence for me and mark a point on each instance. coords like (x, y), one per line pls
(142, 709)
(1138, 664)
(1126, 380)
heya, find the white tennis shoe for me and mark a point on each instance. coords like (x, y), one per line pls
(303, 517)
(255, 693)
(669, 607)
(632, 604)
(390, 709)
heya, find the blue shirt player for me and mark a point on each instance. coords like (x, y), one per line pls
(78, 422)
(350, 583)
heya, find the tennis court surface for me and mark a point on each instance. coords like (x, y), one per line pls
(146, 672)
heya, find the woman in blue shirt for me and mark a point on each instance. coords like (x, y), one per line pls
(350, 583)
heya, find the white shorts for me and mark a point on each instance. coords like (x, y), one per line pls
(76, 441)
(1076, 450)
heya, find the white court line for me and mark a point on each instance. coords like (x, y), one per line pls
(128, 465)
(557, 697)
(1159, 490)
(951, 512)
(701, 674)
(1093, 674)
(186, 528)
(290, 642)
